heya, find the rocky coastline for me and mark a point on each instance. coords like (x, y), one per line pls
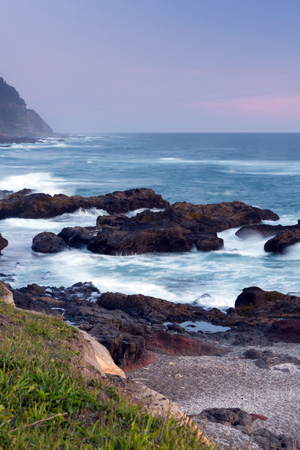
(147, 336)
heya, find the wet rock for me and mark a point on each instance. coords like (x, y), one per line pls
(234, 417)
(270, 441)
(47, 242)
(39, 206)
(3, 243)
(176, 229)
(281, 241)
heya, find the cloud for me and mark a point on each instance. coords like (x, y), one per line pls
(261, 105)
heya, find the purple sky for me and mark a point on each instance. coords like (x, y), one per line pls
(155, 65)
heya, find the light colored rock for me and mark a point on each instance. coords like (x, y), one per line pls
(6, 295)
(96, 355)
(158, 405)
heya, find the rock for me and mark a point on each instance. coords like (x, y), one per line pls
(98, 356)
(176, 229)
(47, 242)
(41, 206)
(3, 243)
(266, 359)
(234, 417)
(6, 295)
(287, 330)
(16, 119)
(270, 441)
(281, 241)
(180, 345)
(153, 309)
(255, 296)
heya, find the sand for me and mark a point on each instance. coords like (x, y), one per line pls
(231, 381)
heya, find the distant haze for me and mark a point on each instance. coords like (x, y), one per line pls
(155, 65)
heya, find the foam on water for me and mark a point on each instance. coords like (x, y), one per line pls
(39, 181)
(193, 168)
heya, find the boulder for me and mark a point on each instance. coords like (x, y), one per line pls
(234, 417)
(3, 243)
(281, 241)
(271, 441)
(254, 297)
(47, 242)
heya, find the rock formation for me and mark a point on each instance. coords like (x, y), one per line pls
(15, 119)
(28, 205)
(176, 229)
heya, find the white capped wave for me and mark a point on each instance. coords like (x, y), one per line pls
(38, 181)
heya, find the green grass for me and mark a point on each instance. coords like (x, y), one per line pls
(45, 403)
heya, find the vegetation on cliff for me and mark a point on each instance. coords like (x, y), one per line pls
(49, 400)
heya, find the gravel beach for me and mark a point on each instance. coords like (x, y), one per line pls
(233, 381)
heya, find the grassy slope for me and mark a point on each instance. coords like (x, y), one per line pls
(45, 403)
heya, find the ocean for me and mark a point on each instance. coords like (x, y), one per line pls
(260, 169)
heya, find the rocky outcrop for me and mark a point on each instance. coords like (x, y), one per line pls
(15, 119)
(176, 229)
(3, 243)
(47, 242)
(281, 241)
(155, 310)
(130, 339)
(28, 205)
(255, 296)
(284, 236)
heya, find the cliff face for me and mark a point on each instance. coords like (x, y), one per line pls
(15, 119)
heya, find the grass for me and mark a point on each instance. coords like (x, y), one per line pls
(46, 403)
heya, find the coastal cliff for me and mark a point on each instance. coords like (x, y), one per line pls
(15, 119)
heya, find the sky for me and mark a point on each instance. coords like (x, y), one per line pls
(155, 65)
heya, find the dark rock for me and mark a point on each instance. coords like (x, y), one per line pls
(47, 242)
(234, 417)
(287, 330)
(255, 296)
(270, 441)
(3, 243)
(266, 359)
(175, 327)
(176, 229)
(40, 206)
(153, 309)
(282, 240)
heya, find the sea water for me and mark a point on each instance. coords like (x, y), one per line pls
(260, 169)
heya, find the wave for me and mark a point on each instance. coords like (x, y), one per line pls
(38, 181)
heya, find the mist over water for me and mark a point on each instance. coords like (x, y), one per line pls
(260, 169)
